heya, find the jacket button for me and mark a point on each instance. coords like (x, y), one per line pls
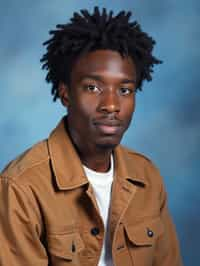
(95, 231)
(149, 233)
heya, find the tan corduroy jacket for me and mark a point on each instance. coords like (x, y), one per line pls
(49, 215)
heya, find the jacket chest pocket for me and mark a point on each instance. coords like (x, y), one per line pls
(63, 248)
(142, 239)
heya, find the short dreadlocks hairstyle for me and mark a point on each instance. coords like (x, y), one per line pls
(89, 32)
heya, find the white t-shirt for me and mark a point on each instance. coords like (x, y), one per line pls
(101, 184)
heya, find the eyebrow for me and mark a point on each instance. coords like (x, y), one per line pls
(99, 78)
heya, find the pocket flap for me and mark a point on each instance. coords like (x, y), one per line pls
(144, 233)
(65, 245)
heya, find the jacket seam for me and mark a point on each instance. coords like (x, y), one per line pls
(8, 176)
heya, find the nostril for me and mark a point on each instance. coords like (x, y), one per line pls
(110, 108)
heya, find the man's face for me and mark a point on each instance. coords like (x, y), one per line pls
(101, 99)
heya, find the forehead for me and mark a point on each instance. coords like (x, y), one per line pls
(104, 62)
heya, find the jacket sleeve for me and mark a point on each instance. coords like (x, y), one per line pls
(20, 243)
(167, 246)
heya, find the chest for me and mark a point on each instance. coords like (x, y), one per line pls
(75, 230)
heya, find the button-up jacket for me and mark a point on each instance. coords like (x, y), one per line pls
(48, 211)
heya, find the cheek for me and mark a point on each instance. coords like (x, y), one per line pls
(85, 107)
(128, 109)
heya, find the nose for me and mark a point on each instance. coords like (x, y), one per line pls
(109, 102)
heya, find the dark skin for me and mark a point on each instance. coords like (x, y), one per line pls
(100, 104)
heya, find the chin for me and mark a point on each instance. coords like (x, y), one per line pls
(108, 144)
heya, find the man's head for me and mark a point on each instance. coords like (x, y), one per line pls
(95, 64)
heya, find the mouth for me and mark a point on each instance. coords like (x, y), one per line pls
(110, 127)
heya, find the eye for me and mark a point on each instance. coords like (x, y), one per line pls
(92, 88)
(125, 91)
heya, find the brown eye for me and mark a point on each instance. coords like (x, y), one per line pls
(125, 91)
(92, 88)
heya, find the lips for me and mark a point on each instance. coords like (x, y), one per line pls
(108, 127)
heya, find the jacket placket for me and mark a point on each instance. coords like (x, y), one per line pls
(98, 220)
(123, 193)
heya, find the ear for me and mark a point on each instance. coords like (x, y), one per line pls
(63, 92)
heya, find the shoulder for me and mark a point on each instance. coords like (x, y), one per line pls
(131, 154)
(31, 159)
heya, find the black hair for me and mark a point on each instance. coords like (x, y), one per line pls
(89, 32)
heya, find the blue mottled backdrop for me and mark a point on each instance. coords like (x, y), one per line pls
(166, 125)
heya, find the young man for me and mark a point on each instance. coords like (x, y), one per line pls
(80, 198)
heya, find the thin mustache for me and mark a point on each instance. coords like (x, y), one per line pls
(108, 121)
(109, 116)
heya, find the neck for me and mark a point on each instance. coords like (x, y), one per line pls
(95, 158)
(98, 161)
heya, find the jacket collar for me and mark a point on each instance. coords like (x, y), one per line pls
(129, 166)
(67, 167)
